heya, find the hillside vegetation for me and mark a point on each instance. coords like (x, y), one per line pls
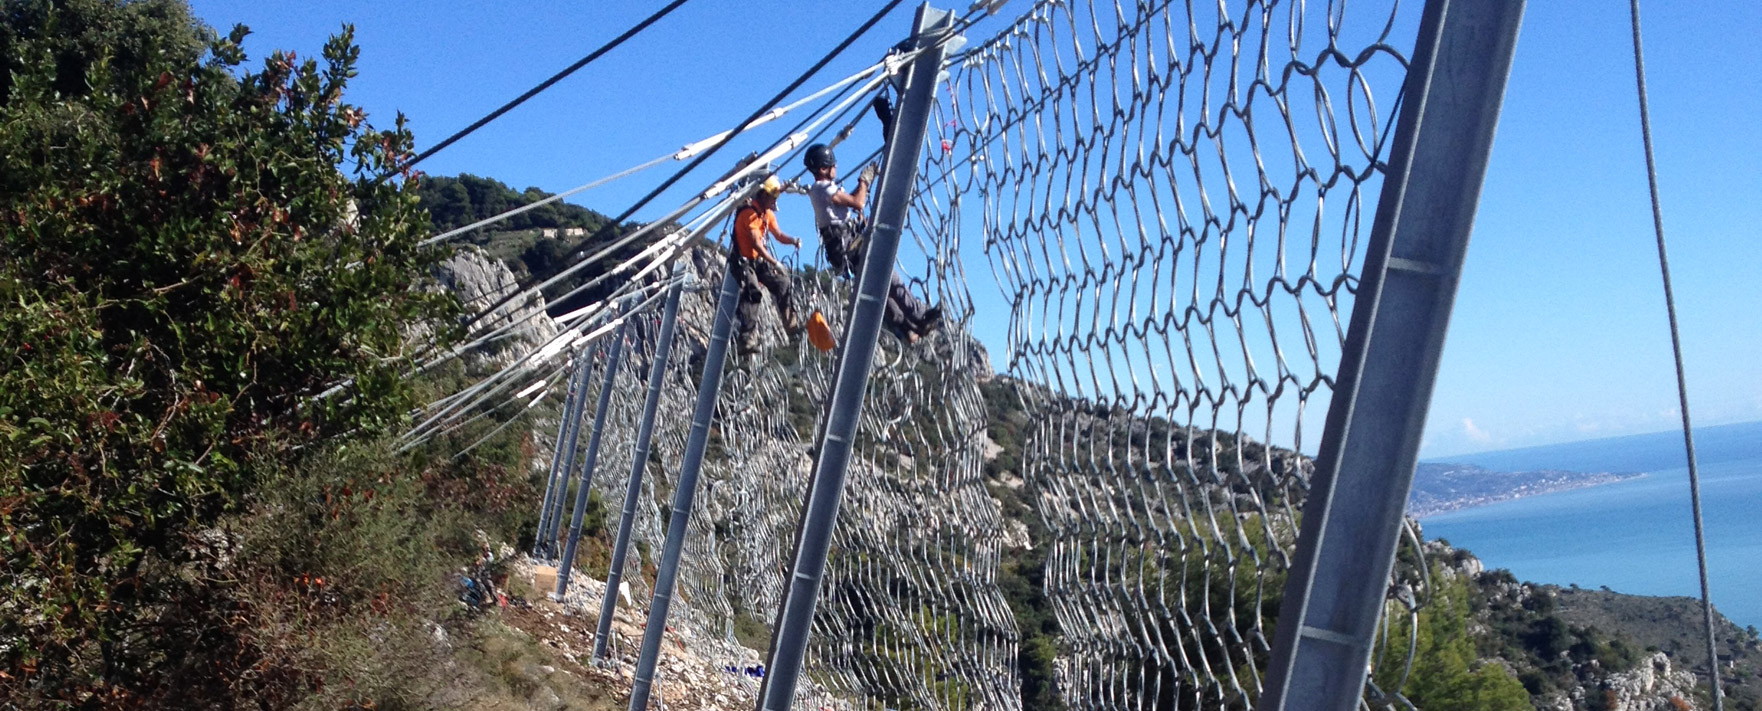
(194, 247)
(537, 244)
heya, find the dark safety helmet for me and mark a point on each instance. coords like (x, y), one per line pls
(819, 156)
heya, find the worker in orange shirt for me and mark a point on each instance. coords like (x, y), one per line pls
(756, 268)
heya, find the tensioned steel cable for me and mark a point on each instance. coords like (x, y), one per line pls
(1682, 386)
(613, 225)
(546, 84)
(842, 87)
(450, 408)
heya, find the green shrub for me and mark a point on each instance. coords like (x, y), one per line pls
(1447, 673)
(190, 253)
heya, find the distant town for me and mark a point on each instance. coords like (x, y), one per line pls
(1441, 487)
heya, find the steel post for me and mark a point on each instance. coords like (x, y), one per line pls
(554, 520)
(638, 462)
(1351, 522)
(544, 511)
(826, 488)
(591, 458)
(685, 491)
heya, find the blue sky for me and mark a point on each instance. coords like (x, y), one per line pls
(1559, 332)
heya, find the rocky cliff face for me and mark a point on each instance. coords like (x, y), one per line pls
(479, 282)
(1653, 686)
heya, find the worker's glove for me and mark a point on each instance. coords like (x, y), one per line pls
(868, 174)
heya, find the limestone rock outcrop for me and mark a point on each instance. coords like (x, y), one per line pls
(480, 281)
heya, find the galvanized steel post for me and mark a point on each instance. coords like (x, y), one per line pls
(820, 511)
(544, 513)
(1353, 517)
(638, 462)
(685, 491)
(555, 519)
(591, 458)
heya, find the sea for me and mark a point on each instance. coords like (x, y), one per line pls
(1635, 536)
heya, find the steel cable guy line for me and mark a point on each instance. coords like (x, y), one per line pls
(681, 240)
(449, 234)
(595, 309)
(524, 411)
(442, 429)
(703, 222)
(569, 338)
(614, 224)
(546, 84)
(583, 334)
(1682, 385)
(627, 239)
(838, 106)
(447, 409)
(842, 86)
(506, 376)
(525, 292)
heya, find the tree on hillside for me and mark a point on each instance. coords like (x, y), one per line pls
(454, 202)
(189, 252)
(1446, 674)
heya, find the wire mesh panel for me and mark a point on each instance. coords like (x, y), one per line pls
(910, 614)
(1172, 199)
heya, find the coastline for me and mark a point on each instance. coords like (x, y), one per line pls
(1584, 481)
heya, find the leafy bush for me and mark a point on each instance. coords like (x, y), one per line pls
(190, 253)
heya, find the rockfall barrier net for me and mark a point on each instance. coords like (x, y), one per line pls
(1171, 200)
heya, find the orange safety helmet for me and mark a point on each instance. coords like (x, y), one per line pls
(820, 332)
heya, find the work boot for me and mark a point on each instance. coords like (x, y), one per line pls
(883, 111)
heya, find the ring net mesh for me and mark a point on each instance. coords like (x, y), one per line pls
(1171, 200)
